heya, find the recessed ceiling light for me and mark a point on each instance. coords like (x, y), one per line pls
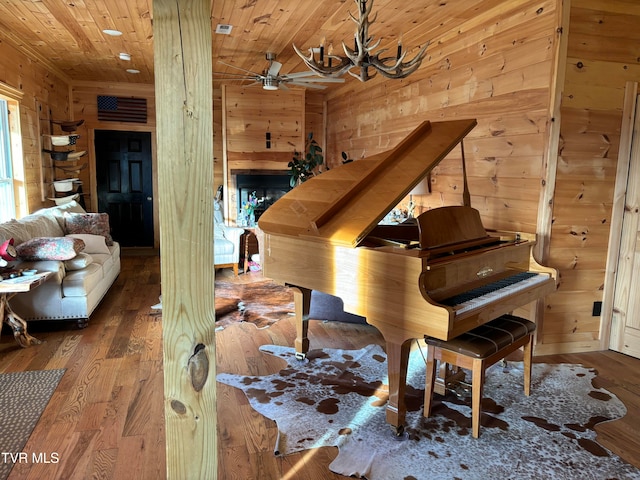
(132, 70)
(125, 56)
(113, 33)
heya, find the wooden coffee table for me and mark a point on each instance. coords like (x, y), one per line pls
(9, 288)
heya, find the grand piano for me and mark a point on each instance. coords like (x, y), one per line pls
(439, 276)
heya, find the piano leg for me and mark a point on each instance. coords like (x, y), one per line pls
(397, 363)
(302, 302)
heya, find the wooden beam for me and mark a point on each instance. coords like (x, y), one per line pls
(622, 241)
(548, 187)
(184, 105)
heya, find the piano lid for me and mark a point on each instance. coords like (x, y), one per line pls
(341, 206)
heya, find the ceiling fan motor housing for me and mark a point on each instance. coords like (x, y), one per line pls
(270, 83)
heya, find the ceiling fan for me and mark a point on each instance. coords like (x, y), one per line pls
(271, 79)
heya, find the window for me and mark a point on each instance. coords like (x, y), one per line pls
(7, 195)
(13, 195)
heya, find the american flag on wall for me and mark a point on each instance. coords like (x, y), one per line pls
(121, 109)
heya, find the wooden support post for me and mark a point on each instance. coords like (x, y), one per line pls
(184, 115)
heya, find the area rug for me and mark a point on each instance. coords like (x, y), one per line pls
(338, 398)
(23, 398)
(262, 303)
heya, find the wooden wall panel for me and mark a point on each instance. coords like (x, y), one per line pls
(218, 138)
(602, 56)
(497, 69)
(314, 117)
(251, 112)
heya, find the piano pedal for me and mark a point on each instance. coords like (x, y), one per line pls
(462, 390)
(447, 377)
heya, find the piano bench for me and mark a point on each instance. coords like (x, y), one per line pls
(477, 350)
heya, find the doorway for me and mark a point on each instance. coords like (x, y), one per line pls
(625, 325)
(124, 180)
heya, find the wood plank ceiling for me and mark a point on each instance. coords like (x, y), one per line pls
(67, 36)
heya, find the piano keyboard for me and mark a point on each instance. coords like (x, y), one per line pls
(494, 291)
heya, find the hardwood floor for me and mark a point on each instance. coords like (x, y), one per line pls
(106, 419)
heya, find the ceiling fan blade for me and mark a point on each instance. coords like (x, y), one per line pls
(238, 76)
(239, 68)
(315, 79)
(274, 68)
(308, 85)
(308, 74)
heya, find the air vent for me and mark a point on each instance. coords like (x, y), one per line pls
(223, 29)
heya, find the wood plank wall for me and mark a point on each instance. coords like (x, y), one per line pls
(218, 138)
(314, 117)
(43, 88)
(602, 56)
(249, 113)
(497, 71)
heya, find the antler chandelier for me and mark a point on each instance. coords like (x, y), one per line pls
(362, 57)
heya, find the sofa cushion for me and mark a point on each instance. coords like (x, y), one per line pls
(55, 266)
(59, 211)
(50, 248)
(42, 226)
(92, 223)
(14, 229)
(92, 243)
(80, 261)
(79, 283)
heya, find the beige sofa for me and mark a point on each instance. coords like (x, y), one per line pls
(77, 285)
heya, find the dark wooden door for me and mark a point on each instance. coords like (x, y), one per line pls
(125, 187)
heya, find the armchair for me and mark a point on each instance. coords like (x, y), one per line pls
(226, 241)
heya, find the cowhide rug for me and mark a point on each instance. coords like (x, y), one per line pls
(338, 398)
(262, 303)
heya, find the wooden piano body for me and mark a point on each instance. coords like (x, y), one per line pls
(324, 235)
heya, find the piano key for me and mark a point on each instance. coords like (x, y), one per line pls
(494, 291)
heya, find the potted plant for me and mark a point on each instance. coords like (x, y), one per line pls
(303, 166)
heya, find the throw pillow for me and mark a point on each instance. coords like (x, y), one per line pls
(78, 262)
(92, 243)
(50, 248)
(92, 223)
(59, 212)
